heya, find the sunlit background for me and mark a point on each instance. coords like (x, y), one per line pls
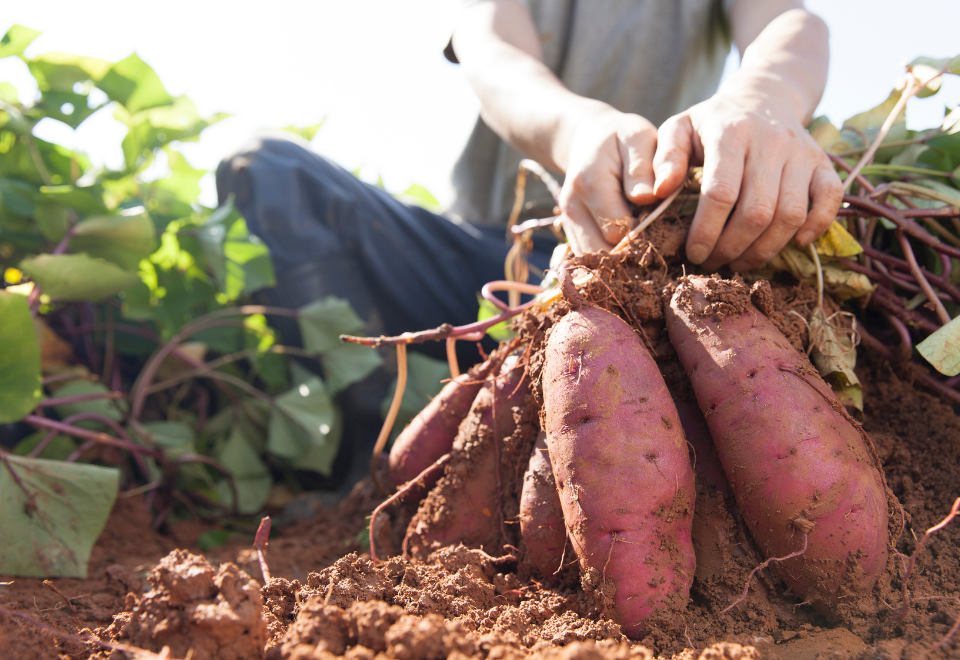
(374, 72)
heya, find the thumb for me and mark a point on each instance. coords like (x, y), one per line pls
(674, 145)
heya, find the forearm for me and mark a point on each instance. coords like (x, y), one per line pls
(785, 66)
(521, 99)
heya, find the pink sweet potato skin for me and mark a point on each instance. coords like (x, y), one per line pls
(622, 466)
(430, 434)
(795, 462)
(463, 506)
(541, 517)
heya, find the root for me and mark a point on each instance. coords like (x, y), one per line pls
(953, 631)
(391, 418)
(913, 560)
(746, 587)
(403, 490)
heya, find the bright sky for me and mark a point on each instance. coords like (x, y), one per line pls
(374, 70)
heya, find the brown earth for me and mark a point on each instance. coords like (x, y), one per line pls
(328, 600)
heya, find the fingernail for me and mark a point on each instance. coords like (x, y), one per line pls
(641, 189)
(664, 171)
(803, 238)
(698, 253)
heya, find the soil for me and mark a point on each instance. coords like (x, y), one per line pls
(327, 599)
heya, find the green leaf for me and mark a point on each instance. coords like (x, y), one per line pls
(51, 533)
(250, 474)
(240, 261)
(322, 322)
(133, 84)
(306, 132)
(153, 128)
(213, 538)
(109, 408)
(85, 199)
(53, 220)
(345, 364)
(175, 437)
(501, 331)
(77, 277)
(925, 68)
(15, 41)
(942, 348)
(305, 421)
(69, 107)
(417, 194)
(869, 122)
(8, 93)
(424, 381)
(59, 449)
(123, 239)
(59, 72)
(20, 389)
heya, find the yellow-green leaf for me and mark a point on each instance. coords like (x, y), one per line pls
(942, 348)
(837, 242)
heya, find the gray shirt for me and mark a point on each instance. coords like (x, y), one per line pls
(654, 58)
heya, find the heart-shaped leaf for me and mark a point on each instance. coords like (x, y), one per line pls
(49, 530)
(77, 277)
(19, 359)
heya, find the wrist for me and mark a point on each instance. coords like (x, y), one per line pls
(767, 93)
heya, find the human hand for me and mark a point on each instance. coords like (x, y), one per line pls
(760, 163)
(610, 161)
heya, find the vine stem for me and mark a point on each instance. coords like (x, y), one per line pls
(260, 543)
(79, 398)
(102, 438)
(909, 226)
(472, 331)
(504, 285)
(390, 419)
(921, 280)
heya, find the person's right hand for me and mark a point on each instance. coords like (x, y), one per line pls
(610, 161)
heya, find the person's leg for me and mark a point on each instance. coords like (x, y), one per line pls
(402, 267)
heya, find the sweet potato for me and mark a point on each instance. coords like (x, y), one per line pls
(541, 517)
(464, 506)
(798, 465)
(622, 465)
(430, 434)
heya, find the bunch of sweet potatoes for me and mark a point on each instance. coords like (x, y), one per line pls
(609, 482)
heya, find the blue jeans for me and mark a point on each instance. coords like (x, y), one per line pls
(402, 267)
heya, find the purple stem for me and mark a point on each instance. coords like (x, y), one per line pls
(907, 225)
(103, 438)
(921, 280)
(78, 398)
(940, 212)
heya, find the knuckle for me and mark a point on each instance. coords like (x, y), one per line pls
(793, 216)
(579, 183)
(758, 214)
(722, 193)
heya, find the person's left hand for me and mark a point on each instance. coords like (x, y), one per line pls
(759, 163)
